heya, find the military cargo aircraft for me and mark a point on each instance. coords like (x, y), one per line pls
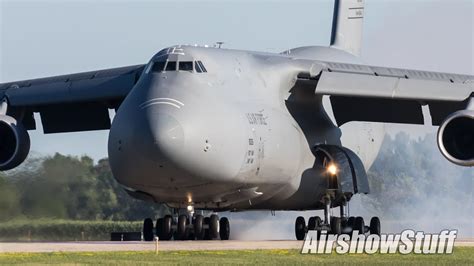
(207, 129)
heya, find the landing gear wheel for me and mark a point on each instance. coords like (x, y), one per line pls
(159, 228)
(336, 225)
(214, 226)
(350, 221)
(198, 227)
(375, 226)
(148, 229)
(224, 228)
(182, 230)
(311, 223)
(300, 228)
(359, 225)
(314, 222)
(347, 225)
(206, 231)
(166, 230)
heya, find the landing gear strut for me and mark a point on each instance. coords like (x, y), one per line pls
(184, 227)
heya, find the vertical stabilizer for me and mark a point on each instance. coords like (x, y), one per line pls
(347, 25)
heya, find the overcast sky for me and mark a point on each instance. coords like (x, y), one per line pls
(47, 38)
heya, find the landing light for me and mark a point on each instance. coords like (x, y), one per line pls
(332, 169)
(190, 208)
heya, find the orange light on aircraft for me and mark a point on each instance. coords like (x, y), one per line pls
(332, 169)
(190, 197)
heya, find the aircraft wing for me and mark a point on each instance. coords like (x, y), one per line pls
(380, 94)
(68, 103)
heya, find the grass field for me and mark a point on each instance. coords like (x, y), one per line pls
(461, 256)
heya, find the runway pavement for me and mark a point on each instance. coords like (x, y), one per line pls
(147, 246)
(163, 245)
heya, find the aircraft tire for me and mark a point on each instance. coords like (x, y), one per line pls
(375, 226)
(159, 228)
(350, 221)
(198, 227)
(224, 228)
(359, 225)
(148, 229)
(336, 225)
(181, 233)
(312, 223)
(167, 231)
(206, 231)
(214, 226)
(319, 221)
(300, 228)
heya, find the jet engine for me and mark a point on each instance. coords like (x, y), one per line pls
(456, 138)
(14, 143)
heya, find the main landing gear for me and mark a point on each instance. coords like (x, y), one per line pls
(184, 228)
(336, 225)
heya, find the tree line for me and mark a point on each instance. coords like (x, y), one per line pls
(68, 187)
(405, 174)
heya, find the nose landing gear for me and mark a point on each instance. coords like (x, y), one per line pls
(185, 228)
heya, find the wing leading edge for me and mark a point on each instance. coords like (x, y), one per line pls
(69, 103)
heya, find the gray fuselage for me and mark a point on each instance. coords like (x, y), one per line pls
(238, 136)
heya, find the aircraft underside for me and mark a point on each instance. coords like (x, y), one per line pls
(320, 188)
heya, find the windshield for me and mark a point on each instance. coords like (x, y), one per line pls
(189, 66)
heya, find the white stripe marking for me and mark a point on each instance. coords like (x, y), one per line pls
(162, 100)
(143, 106)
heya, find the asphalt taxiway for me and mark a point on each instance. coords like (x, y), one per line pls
(85, 246)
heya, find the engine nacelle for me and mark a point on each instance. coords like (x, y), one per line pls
(14, 143)
(456, 138)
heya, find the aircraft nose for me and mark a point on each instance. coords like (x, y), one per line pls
(166, 136)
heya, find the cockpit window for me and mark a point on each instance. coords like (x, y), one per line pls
(161, 66)
(171, 66)
(202, 66)
(158, 67)
(162, 52)
(186, 65)
(198, 67)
